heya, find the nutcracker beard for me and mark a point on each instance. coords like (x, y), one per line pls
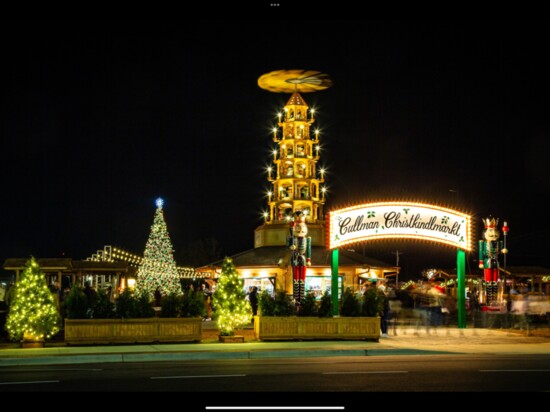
(491, 278)
(299, 282)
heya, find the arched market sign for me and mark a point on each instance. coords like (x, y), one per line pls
(373, 221)
(401, 220)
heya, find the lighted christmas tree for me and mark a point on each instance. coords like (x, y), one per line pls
(158, 267)
(231, 306)
(33, 312)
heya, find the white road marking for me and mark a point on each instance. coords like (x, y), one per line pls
(195, 376)
(278, 408)
(514, 370)
(364, 372)
(27, 383)
(63, 369)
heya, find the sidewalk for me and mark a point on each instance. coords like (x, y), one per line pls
(402, 341)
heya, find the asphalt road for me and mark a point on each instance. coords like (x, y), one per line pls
(423, 373)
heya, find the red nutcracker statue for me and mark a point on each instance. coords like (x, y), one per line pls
(489, 250)
(300, 257)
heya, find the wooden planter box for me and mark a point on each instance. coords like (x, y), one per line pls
(302, 328)
(132, 330)
(232, 339)
(30, 342)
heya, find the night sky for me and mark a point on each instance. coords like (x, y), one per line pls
(99, 118)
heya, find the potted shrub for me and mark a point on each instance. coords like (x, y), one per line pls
(170, 305)
(133, 319)
(325, 305)
(308, 306)
(103, 308)
(278, 319)
(76, 303)
(192, 304)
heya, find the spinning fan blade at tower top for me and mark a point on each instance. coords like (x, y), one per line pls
(290, 81)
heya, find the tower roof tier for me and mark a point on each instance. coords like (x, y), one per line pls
(296, 100)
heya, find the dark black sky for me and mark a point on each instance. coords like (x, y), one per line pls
(99, 118)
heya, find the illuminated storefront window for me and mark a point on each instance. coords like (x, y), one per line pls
(261, 283)
(319, 284)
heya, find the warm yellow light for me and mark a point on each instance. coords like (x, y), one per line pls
(269, 193)
(246, 272)
(263, 273)
(323, 189)
(131, 283)
(312, 111)
(322, 171)
(463, 242)
(274, 130)
(274, 152)
(316, 131)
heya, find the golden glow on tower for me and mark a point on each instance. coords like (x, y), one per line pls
(297, 183)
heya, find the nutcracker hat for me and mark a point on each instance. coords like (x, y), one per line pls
(490, 222)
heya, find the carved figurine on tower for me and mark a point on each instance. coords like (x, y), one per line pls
(489, 250)
(300, 246)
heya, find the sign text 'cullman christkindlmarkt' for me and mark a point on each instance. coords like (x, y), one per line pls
(398, 220)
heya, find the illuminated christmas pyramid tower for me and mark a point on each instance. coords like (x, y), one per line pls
(296, 184)
(296, 180)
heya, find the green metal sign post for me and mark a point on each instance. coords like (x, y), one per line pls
(461, 285)
(334, 283)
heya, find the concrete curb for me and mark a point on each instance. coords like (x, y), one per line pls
(61, 360)
(307, 353)
(451, 342)
(191, 356)
(177, 356)
(397, 352)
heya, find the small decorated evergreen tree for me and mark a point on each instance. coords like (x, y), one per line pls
(33, 313)
(232, 307)
(158, 267)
